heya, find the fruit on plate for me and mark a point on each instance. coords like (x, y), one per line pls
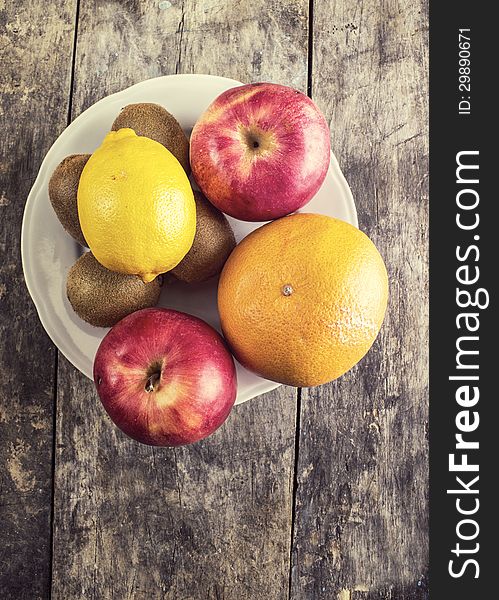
(136, 206)
(164, 377)
(63, 187)
(213, 242)
(155, 122)
(260, 151)
(102, 297)
(302, 299)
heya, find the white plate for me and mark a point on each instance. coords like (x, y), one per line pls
(48, 251)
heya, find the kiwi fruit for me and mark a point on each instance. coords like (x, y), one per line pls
(213, 242)
(102, 297)
(63, 188)
(155, 122)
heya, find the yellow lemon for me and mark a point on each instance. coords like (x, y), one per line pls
(136, 206)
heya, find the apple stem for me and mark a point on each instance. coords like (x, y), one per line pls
(152, 382)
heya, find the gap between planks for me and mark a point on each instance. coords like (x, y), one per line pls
(56, 360)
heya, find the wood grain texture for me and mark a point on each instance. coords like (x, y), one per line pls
(361, 528)
(215, 520)
(35, 57)
(212, 520)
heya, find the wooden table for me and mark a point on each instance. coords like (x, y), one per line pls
(304, 494)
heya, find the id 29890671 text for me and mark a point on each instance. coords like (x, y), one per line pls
(464, 71)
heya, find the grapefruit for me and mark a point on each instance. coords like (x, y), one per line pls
(302, 299)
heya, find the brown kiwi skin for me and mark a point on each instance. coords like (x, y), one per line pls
(63, 188)
(213, 242)
(155, 122)
(101, 297)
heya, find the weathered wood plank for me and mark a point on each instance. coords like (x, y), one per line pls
(36, 41)
(361, 507)
(211, 520)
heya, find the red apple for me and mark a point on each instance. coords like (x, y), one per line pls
(165, 378)
(260, 151)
